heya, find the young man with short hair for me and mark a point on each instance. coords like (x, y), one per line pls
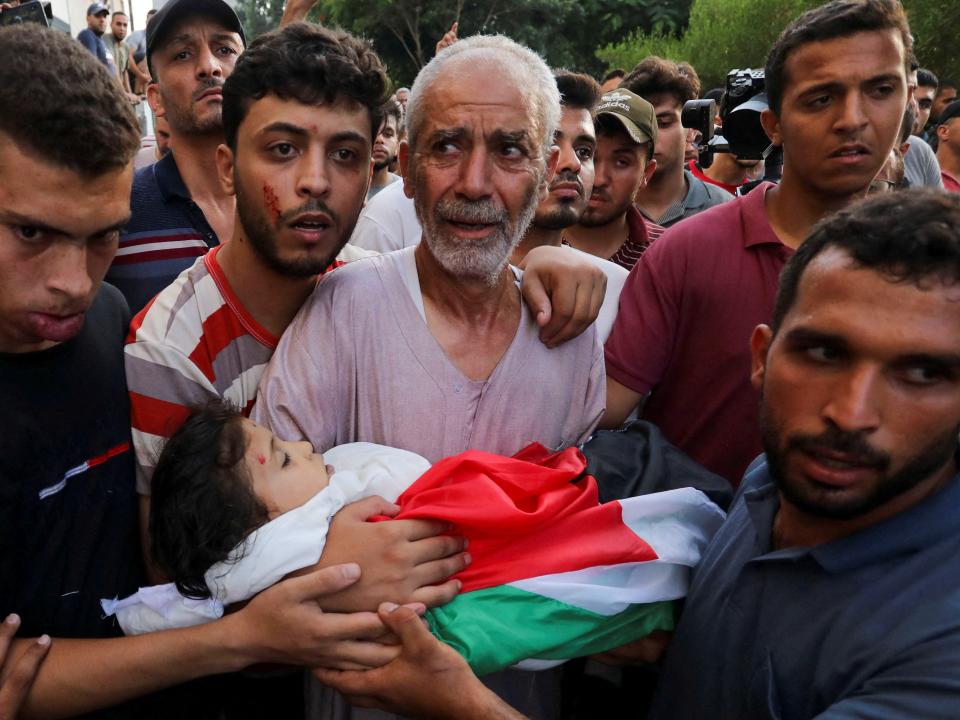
(120, 51)
(91, 37)
(927, 85)
(921, 168)
(385, 148)
(836, 80)
(571, 187)
(67, 522)
(673, 192)
(611, 227)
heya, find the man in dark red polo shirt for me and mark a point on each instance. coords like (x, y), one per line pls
(837, 86)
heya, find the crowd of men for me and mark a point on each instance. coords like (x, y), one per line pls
(502, 253)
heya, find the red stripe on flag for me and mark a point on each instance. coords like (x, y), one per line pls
(524, 516)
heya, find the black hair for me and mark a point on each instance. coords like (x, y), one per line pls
(392, 108)
(926, 78)
(912, 236)
(58, 102)
(944, 84)
(837, 19)
(653, 75)
(615, 73)
(118, 12)
(577, 90)
(307, 63)
(202, 503)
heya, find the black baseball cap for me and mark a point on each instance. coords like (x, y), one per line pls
(170, 15)
(949, 112)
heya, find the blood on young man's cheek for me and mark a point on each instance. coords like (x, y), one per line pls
(271, 201)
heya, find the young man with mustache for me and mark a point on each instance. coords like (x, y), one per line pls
(836, 80)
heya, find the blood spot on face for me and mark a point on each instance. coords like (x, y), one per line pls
(271, 201)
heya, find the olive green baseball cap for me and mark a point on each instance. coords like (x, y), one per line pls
(633, 112)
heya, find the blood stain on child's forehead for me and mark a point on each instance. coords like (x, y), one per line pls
(261, 459)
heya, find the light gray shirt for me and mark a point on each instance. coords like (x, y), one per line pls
(921, 168)
(359, 364)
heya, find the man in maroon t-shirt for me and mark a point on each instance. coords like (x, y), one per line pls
(837, 92)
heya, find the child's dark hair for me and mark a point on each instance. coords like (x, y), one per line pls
(202, 501)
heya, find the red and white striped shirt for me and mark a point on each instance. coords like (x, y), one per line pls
(192, 343)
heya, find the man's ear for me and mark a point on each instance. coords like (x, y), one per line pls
(759, 347)
(403, 162)
(771, 126)
(648, 172)
(154, 99)
(225, 166)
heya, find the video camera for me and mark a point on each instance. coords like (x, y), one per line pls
(32, 12)
(744, 98)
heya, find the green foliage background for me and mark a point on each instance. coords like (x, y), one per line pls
(405, 32)
(726, 34)
(594, 35)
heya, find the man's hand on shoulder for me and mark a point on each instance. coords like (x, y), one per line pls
(18, 670)
(426, 680)
(563, 292)
(403, 561)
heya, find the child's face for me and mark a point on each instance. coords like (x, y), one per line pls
(285, 474)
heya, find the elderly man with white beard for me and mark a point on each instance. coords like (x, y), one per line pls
(430, 348)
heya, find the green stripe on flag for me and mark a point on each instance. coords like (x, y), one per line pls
(497, 627)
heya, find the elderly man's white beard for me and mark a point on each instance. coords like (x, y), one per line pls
(484, 259)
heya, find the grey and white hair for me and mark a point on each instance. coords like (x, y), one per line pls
(520, 63)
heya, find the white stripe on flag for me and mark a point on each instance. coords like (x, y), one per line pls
(610, 589)
(677, 524)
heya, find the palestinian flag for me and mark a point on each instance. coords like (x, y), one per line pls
(555, 574)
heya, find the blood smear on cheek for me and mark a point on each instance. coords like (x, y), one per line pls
(271, 201)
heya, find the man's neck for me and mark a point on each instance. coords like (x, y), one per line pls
(600, 240)
(474, 322)
(792, 527)
(793, 207)
(272, 299)
(535, 237)
(948, 161)
(381, 177)
(665, 189)
(196, 160)
(725, 169)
